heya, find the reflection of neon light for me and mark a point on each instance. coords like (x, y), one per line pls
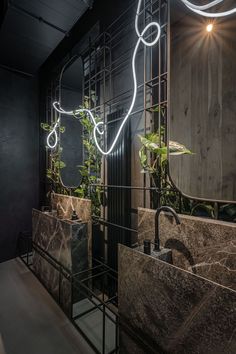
(99, 127)
(200, 9)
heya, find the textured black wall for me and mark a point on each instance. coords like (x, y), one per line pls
(19, 130)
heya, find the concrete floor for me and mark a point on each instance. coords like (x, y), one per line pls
(30, 320)
(92, 324)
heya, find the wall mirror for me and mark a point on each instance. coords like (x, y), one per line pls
(202, 102)
(71, 142)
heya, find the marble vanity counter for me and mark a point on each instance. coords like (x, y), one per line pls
(202, 246)
(172, 310)
(62, 239)
(64, 206)
(67, 242)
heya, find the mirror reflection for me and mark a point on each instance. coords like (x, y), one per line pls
(203, 102)
(71, 96)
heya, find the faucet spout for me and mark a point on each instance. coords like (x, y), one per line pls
(157, 224)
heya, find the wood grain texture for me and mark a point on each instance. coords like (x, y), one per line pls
(203, 107)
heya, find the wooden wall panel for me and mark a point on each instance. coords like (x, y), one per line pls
(203, 107)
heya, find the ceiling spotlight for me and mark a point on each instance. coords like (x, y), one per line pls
(209, 27)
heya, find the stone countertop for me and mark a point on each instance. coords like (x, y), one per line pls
(202, 246)
(66, 242)
(175, 311)
(64, 206)
(59, 237)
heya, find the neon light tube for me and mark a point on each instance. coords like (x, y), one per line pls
(98, 127)
(200, 9)
(53, 133)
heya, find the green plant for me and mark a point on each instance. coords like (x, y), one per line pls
(215, 211)
(55, 162)
(153, 159)
(203, 208)
(48, 128)
(153, 154)
(90, 170)
(56, 165)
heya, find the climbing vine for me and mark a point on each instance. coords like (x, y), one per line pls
(89, 171)
(91, 168)
(55, 163)
(153, 159)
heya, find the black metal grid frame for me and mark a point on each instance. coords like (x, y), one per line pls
(100, 67)
(99, 70)
(154, 90)
(100, 273)
(90, 282)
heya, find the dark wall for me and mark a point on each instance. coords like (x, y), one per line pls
(18, 158)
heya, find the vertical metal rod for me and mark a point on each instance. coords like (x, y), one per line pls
(104, 86)
(103, 329)
(117, 334)
(159, 99)
(104, 141)
(71, 295)
(180, 203)
(151, 102)
(27, 258)
(144, 100)
(59, 287)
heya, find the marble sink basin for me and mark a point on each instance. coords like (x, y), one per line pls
(173, 310)
(202, 246)
(55, 214)
(59, 237)
(165, 254)
(60, 241)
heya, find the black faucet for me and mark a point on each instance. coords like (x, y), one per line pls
(157, 231)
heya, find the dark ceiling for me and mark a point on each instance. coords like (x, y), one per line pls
(31, 30)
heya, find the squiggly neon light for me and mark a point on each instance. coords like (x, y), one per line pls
(98, 127)
(200, 9)
(53, 133)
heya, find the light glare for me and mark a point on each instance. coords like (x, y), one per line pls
(210, 27)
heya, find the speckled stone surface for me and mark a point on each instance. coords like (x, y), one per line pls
(49, 276)
(64, 205)
(202, 246)
(128, 344)
(67, 243)
(175, 311)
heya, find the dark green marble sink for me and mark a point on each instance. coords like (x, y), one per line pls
(172, 310)
(164, 254)
(66, 242)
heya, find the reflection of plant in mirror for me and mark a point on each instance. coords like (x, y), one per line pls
(228, 212)
(53, 172)
(225, 212)
(203, 209)
(90, 170)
